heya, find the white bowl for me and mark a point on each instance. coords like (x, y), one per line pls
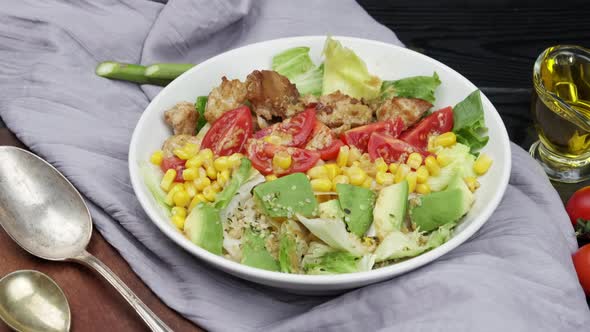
(385, 60)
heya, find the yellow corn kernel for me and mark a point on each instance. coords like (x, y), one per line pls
(368, 183)
(202, 183)
(384, 179)
(191, 149)
(353, 156)
(443, 159)
(432, 165)
(216, 186)
(423, 188)
(321, 185)
(194, 162)
(393, 167)
(333, 170)
(209, 193)
(271, 177)
(273, 139)
(167, 180)
(482, 164)
(190, 188)
(318, 172)
(170, 196)
(446, 139)
(431, 147)
(221, 163)
(180, 153)
(235, 159)
(380, 165)
(356, 175)
(401, 173)
(196, 200)
(178, 221)
(412, 179)
(282, 160)
(471, 183)
(339, 179)
(190, 174)
(414, 160)
(422, 174)
(178, 211)
(211, 172)
(181, 198)
(342, 159)
(157, 157)
(202, 172)
(206, 154)
(223, 177)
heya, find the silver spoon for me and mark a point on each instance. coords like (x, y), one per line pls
(30, 301)
(42, 212)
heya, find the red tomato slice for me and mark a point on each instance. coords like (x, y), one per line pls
(323, 140)
(261, 153)
(359, 136)
(438, 122)
(293, 131)
(175, 163)
(390, 149)
(229, 133)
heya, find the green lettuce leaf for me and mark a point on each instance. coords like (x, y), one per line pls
(152, 182)
(200, 105)
(345, 71)
(333, 232)
(469, 123)
(399, 245)
(421, 87)
(297, 66)
(292, 246)
(237, 180)
(322, 259)
(461, 163)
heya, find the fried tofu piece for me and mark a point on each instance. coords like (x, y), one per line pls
(272, 95)
(410, 110)
(227, 96)
(341, 112)
(182, 118)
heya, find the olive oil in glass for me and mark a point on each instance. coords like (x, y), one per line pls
(561, 111)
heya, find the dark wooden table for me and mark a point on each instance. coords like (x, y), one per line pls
(493, 44)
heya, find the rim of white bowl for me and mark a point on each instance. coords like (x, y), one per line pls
(303, 279)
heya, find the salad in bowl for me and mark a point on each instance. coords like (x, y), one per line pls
(319, 168)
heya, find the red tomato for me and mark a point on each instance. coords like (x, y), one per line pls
(323, 140)
(578, 206)
(229, 133)
(359, 136)
(261, 153)
(389, 148)
(438, 122)
(175, 163)
(582, 264)
(293, 131)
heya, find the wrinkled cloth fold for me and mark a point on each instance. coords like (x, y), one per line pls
(515, 274)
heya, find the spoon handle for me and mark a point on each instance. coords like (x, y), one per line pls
(150, 319)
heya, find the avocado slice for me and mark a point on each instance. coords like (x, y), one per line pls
(254, 252)
(390, 209)
(357, 205)
(330, 210)
(203, 227)
(286, 196)
(439, 208)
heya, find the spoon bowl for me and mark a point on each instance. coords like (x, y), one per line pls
(30, 301)
(43, 212)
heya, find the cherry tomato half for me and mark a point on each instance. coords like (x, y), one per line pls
(389, 148)
(438, 122)
(359, 136)
(293, 131)
(229, 133)
(323, 140)
(261, 154)
(175, 163)
(582, 264)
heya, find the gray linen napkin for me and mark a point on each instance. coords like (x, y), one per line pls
(514, 274)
